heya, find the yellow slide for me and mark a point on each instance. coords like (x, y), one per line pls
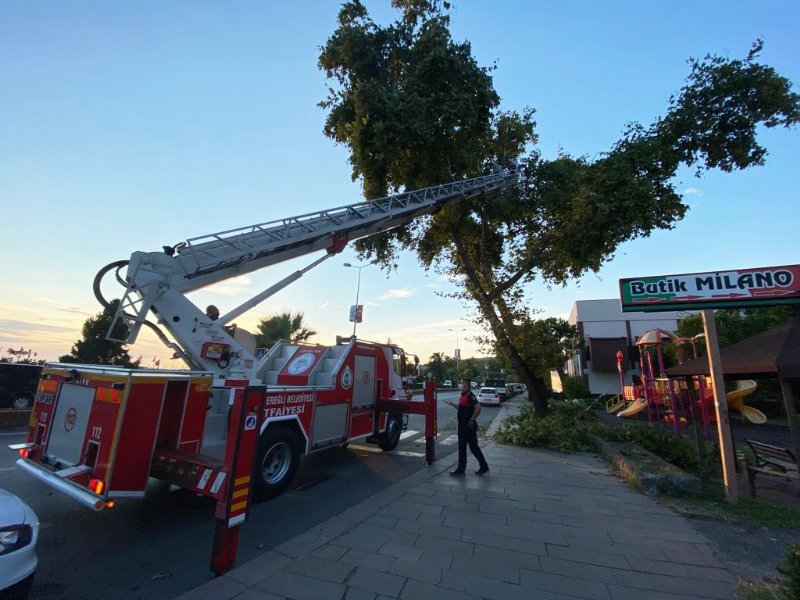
(634, 409)
(745, 387)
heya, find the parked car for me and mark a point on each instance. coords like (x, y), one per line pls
(448, 383)
(18, 382)
(19, 532)
(489, 396)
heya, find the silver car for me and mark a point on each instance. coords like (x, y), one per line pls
(19, 532)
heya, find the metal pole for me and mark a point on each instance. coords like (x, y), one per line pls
(358, 289)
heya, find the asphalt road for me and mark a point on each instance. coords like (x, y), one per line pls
(160, 547)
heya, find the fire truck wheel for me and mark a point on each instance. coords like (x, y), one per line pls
(391, 437)
(278, 457)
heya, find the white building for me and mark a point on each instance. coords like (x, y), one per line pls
(607, 330)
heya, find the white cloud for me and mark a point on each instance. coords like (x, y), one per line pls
(399, 293)
(692, 191)
(232, 287)
(324, 305)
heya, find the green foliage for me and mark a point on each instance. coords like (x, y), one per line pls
(736, 325)
(414, 108)
(23, 356)
(791, 570)
(574, 387)
(680, 452)
(282, 326)
(566, 428)
(95, 349)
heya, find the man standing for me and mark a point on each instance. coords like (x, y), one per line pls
(468, 411)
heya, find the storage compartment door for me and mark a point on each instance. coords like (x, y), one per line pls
(364, 386)
(68, 429)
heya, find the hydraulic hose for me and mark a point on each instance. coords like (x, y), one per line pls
(118, 265)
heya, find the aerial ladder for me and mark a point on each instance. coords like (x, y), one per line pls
(159, 281)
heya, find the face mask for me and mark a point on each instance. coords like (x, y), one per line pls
(462, 387)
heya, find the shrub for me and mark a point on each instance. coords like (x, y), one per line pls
(791, 570)
(573, 387)
(680, 452)
(566, 428)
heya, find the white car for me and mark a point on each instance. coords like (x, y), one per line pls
(19, 532)
(489, 396)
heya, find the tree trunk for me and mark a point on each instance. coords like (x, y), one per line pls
(537, 390)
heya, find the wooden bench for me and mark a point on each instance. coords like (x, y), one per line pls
(770, 460)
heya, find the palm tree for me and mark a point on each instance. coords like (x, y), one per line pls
(282, 326)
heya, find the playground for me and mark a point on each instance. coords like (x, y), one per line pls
(681, 399)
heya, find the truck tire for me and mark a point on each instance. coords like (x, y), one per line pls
(277, 458)
(391, 437)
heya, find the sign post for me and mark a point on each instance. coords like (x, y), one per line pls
(720, 408)
(741, 288)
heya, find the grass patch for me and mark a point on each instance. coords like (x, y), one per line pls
(757, 590)
(567, 428)
(712, 503)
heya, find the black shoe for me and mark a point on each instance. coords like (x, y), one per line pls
(456, 473)
(482, 471)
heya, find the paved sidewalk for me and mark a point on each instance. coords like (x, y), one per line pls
(541, 525)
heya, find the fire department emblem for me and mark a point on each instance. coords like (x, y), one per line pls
(301, 364)
(70, 419)
(347, 378)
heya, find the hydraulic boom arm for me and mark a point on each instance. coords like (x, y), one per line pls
(161, 280)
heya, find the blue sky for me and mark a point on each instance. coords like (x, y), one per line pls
(128, 126)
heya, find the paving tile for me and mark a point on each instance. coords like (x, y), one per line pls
(320, 568)
(300, 587)
(682, 570)
(381, 521)
(488, 568)
(354, 593)
(566, 585)
(453, 547)
(675, 585)
(619, 592)
(400, 551)
(360, 558)
(577, 570)
(449, 533)
(260, 567)
(589, 557)
(417, 570)
(431, 519)
(518, 560)
(417, 506)
(377, 581)
(506, 543)
(330, 552)
(221, 588)
(419, 590)
(257, 595)
(370, 538)
(499, 590)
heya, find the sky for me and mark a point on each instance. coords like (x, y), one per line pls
(129, 126)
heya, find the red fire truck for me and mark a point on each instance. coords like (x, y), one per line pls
(232, 426)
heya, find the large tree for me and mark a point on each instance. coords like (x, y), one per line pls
(94, 348)
(283, 326)
(414, 108)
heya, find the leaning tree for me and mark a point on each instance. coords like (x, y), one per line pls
(414, 108)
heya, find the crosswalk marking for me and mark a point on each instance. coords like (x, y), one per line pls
(449, 440)
(408, 433)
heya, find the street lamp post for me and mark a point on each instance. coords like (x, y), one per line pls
(358, 289)
(458, 353)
